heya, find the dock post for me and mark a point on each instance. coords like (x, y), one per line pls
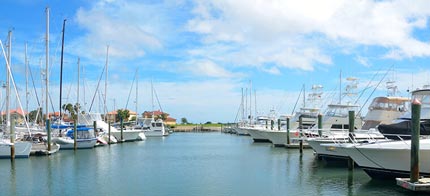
(415, 141)
(320, 125)
(48, 131)
(272, 123)
(95, 128)
(122, 128)
(351, 117)
(300, 135)
(75, 135)
(288, 130)
(267, 124)
(279, 124)
(109, 132)
(12, 139)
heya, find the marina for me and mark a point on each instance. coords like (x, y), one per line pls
(187, 164)
(140, 97)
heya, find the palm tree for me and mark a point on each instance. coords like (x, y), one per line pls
(122, 114)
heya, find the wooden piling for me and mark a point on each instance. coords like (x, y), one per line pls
(301, 132)
(267, 124)
(320, 125)
(75, 135)
(109, 132)
(12, 139)
(279, 124)
(351, 116)
(415, 141)
(48, 131)
(288, 130)
(122, 129)
(95, 128)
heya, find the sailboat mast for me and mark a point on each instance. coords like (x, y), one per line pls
(106, 79)
(77, 100)
(152, 99)
(250, 102)
(26, 82)
(137, 84)
(340, 87)
(9, 51)
(47, 66)
(47, 80)
(61, 67)
(243, 107)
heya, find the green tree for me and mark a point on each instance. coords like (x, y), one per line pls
(123, 114)
(35, 114)
(184, 121)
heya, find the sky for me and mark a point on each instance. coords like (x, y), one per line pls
(200, 55)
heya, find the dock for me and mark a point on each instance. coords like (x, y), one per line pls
(196, 129)
(423, 184)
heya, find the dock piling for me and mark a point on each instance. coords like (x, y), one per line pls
(12, 139)
(75, 135)
(279, 124)
(415, 141)
(301, 134)
(288, 130)
(351, 117)
(109, 132)
(320, 125)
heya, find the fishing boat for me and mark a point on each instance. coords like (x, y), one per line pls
(392, 158)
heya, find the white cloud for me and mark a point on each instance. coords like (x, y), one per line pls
(279, 27)
(119, 24)
(209, 68)
(363, 61)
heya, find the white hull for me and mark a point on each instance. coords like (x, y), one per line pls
(68, 143)
(154, 133)
(321, 149)
(22, 149)
(279, 138)
(257, 136)
(127, 134)
(241, 131)
(390, 156)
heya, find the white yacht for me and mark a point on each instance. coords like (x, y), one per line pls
(309, 114)
(392, 158)
(127, 134)
(262, 124)
(152, 127)
(381, 110)
(85, 139)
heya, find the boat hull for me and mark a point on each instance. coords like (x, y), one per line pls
(22, 150)
(257, 136)
(381, 160)
(128, 135)
(68, 143)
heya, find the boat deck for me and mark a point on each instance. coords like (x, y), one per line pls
(39, 149)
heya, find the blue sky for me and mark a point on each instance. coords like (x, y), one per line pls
(200, 54)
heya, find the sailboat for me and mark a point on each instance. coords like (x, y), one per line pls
(152, 127)
(7, 142)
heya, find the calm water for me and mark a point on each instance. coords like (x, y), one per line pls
(186, 164)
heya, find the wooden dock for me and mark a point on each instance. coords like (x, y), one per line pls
(196, 129)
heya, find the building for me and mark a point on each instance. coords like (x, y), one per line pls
(17, 114)
(112, 116)
(158, 114)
